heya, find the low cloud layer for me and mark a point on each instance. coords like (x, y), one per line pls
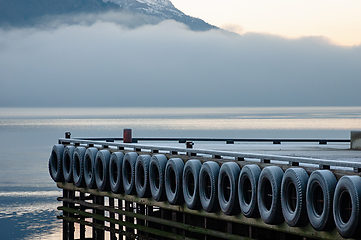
(107, 64)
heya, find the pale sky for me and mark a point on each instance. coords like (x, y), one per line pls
(340, 21)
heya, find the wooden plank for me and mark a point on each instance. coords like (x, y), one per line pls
(307, 231)
(94, 225)
(173, 224)
(127, 224)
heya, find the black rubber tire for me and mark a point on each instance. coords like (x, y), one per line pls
(247, 190)
(346, 206)
(191, 183)
(319, 196)
(227, 188)
(269, 195)
(56, 163)
(293, 197)
(102, 160)
(78, 166)
(208, 184)
(142, 176)
(67, 163)
(115, 172)
(173, 181)
(89, 167)
(156, 176)
(128, 172)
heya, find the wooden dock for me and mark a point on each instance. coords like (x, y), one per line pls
(93, 214)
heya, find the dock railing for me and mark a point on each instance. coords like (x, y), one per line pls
(226, 140)
(239, 156)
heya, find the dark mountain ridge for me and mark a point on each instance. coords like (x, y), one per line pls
(25, 13)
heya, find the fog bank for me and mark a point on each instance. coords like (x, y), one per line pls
(106, 64)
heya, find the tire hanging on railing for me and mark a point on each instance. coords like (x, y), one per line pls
(227, 188)
(102, 160)
(208, 183)
(89, 167)
(56, 163)
(173, 181)
(156, 176)
(191, 183)
(319, 195)
(142, 176)
(78, 166)
(247, 190)
(68, 163)
(347, 206)
(115, 172)
(128, 170)
(293, 197)
(269, 195)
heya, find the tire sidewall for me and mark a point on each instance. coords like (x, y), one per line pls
(128, 172)
(157, 166)
(67, 163)
(273, 175)
(252, 173)
(175, 165)
(229, 171)
(89, 167)
(209, 170)
(116, 160)
(56, 163)
(295, 178)
(142, 186)
(102, 165)
(191, 169)
(78, 162)
(351, 186)
(327, 181)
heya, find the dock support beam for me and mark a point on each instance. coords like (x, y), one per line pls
(356, 140)
(130, 217)
(98, 234)
(68, 227)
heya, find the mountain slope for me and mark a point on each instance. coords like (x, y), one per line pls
(163, 9)
(28, 12)
(22, 13)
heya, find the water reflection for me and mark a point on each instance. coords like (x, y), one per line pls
(220, 112)
(188, 124)
(55, 233)
(29, 215)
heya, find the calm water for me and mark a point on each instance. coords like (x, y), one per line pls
(28, 195)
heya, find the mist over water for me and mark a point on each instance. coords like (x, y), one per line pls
(28, 194)
(104, 63)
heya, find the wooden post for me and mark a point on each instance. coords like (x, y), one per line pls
(98, 234)
(127, 135)
(71, 194)
(65, 223)
(140, 222)
(355, 142)
(174, 219)
(129, 208)
(112, 216)
(68, 227)
(82, 227)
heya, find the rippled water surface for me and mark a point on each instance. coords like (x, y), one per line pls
(28, 195)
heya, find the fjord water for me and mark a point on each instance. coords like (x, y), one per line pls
(28, 194)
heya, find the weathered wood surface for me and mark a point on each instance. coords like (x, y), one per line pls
(307, 231)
